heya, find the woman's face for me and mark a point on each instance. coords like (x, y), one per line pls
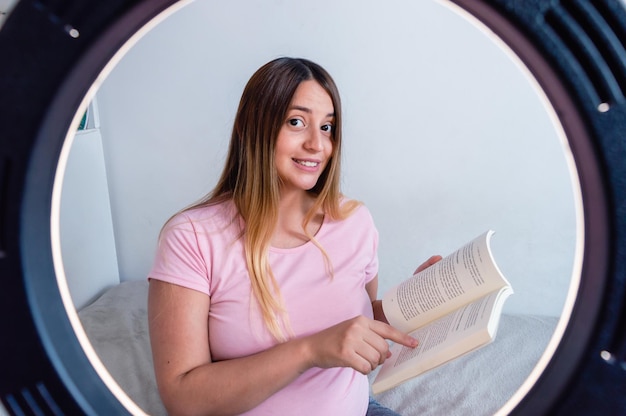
(304, 144)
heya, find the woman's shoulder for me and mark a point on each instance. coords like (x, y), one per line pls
(354, 209)
(351, 204)
(357, 223)
(218, 215)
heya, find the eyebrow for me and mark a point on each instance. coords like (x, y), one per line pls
(308, 110)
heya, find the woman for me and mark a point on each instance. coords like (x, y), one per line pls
(262, 295)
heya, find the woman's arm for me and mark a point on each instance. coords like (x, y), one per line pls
(377, 304)
(190, 383)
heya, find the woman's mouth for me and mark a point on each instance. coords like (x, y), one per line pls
(307, 163)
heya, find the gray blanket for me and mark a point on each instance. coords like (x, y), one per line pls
(477, 384)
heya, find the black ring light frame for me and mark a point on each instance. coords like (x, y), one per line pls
(52, 51)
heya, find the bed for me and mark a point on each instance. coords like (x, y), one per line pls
(476, 384)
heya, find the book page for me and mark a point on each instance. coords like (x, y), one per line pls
(444, 339)
(459, 278)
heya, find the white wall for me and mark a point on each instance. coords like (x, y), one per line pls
(86, 226)
(444, 136)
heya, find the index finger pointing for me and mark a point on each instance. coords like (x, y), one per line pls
(388, 332)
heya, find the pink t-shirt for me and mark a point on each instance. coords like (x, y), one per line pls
(202, 250)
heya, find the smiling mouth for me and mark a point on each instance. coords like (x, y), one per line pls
(306, 163)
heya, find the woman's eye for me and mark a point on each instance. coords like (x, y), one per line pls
(295, 122)
(328, 128)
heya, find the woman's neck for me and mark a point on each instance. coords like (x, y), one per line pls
(292, 210)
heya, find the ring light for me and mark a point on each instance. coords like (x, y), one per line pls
(52, 53)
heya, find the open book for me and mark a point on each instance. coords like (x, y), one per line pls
(451, 308)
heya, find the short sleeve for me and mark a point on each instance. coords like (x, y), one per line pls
(178, 258)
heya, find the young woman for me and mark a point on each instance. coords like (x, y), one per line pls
(263, 295)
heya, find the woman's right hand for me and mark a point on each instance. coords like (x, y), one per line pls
(359, 343)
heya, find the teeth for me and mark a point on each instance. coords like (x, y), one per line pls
(307, 163)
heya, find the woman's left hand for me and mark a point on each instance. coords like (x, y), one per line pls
(432, 260)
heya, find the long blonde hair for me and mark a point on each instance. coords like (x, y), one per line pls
(251, 181)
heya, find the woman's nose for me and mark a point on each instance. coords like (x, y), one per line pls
(315, 141)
